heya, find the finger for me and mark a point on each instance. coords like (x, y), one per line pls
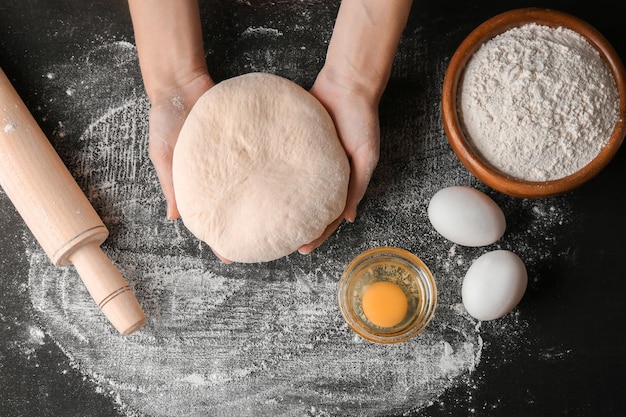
(362, 166)
(330, 229)
(220, 257)
(162, 161)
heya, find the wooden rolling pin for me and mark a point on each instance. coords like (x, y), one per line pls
(57, 211)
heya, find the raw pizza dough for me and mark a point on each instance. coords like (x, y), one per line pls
(258, 168)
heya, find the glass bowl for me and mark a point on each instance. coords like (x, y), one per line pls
(402, 269)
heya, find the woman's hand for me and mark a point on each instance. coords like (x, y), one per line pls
(168, 112)
(356, 120)
(168, 35)
(357, 68)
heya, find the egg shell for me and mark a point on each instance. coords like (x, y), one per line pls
(466, 216)
(494, 285)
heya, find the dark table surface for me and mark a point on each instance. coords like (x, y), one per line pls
(268, 339)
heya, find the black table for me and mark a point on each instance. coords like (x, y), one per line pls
(560, 353)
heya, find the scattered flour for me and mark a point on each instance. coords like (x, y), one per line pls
(538, 102)
(256, 31)
(235, 340)
(266, 339)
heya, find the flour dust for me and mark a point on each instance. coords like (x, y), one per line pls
(266, 339)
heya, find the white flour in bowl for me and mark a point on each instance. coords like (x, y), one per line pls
(538, 102)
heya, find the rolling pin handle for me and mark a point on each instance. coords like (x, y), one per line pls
(108, 288)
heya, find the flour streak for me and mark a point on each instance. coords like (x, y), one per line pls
(266, 339)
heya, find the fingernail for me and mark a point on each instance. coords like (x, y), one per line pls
(171, 213)
(350, 216)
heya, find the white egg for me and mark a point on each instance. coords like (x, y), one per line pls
(466, 216)
(494, 285)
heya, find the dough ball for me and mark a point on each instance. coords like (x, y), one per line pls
(258, 168)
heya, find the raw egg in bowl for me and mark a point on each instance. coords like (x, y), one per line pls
(387, 295)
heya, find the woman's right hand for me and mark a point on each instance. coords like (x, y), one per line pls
(168, 113)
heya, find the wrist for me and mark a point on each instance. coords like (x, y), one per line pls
(335, 80)
(181, 97)
(364, 43)
(166, 85)
(168, 36)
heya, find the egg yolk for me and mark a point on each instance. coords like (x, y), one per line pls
(384, 304)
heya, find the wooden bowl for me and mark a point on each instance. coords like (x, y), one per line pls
(465, 151)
